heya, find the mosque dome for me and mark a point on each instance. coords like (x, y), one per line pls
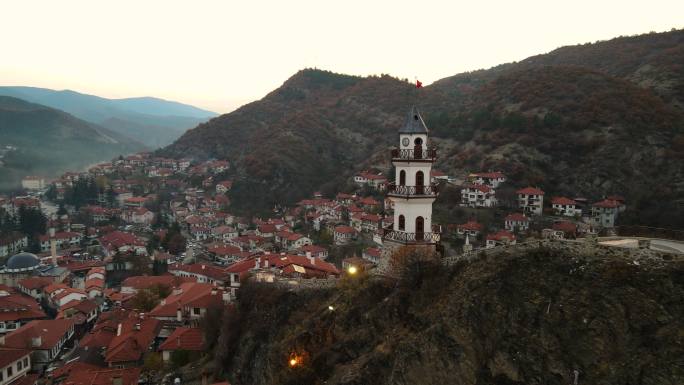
(22, 262)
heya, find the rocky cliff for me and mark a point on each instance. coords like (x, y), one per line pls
(535, 315)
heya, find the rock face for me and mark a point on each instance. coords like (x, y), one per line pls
(532, 316)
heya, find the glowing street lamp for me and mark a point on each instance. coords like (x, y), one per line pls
(352, 270)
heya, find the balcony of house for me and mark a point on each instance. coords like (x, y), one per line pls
(391, 234)
(417, 154)
(412, 191)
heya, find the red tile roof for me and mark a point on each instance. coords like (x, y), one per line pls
(480, 187)
(191, 339)
(530, 191)
(211, 271)
(471, 226)
(517, 217)
(142, 282)
(86, 374)
(49, 331)
(34, 283)
(562, 201)
(185, 295)
(135, 339)
(10, 355)
(565, 226)
(501, 235)
(607, 203)
(345, 230)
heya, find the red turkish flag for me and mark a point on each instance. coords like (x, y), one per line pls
(419, 84)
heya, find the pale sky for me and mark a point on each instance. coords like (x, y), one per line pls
(222, 54)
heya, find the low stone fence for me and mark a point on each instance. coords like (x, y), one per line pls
(305, 284)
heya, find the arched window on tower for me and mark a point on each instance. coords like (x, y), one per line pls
(402, 222)
(420, 224)
(418, 148)
(402, 178)
(420, 182)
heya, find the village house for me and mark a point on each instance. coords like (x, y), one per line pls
(224, 186)
(500, 238)
(531, 200)
(12, 243)
(63, 240)
(33, 183)
(45, 339)
(16, 310)
(491, 179)
(344, 234)
(563, 206)
(314, 251)
(185, 339)
(15, 363)
(372, 254)
(132, 342)
(364, 222)
(202, 272)
(478, 195)
(516, 222)
(470, 228)
(34, 286)
(188, 302)
(604, 213)
(376, 181)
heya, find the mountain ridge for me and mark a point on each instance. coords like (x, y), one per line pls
(319, 127)
(153, 121)
(48, 141)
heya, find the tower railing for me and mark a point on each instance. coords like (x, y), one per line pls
(414, 154)
(395, 189)
(407, 237)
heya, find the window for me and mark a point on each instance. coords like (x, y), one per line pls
(402, 178)
(196, 310)
(418, 141)
(26, 362)
(19, 366)
(9, 371)
(402, 222)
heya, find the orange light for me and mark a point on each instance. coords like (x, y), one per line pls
(293, 362)
(352, 270)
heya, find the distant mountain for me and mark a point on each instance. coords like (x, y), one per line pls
(154, 122)
(587, 120)
(38, 140)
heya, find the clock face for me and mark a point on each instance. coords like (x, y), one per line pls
(405, 142)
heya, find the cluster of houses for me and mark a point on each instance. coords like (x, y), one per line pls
(569, 217)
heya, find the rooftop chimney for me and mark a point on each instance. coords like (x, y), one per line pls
(2, 340)
(137, 326)
(36, 341)
(179, 315)
(118, 330)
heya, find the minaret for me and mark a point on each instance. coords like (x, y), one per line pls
(53, 246)
(412, 191)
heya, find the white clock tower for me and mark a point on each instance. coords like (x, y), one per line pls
(412, 191)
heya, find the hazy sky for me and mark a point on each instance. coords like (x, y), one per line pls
(222, 54)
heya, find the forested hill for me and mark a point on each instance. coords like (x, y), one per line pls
(588, 120)
(44, 141)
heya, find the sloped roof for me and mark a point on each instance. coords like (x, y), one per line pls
(191, 339)
(414, 123)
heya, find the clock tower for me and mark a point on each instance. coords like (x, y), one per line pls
(412, 191)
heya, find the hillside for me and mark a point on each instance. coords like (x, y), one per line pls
(49, 141)
(524, 317)
(152, 121)
(584, 130)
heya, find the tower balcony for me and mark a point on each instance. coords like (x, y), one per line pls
(429, 191)
(413, 238)
(417, 154)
